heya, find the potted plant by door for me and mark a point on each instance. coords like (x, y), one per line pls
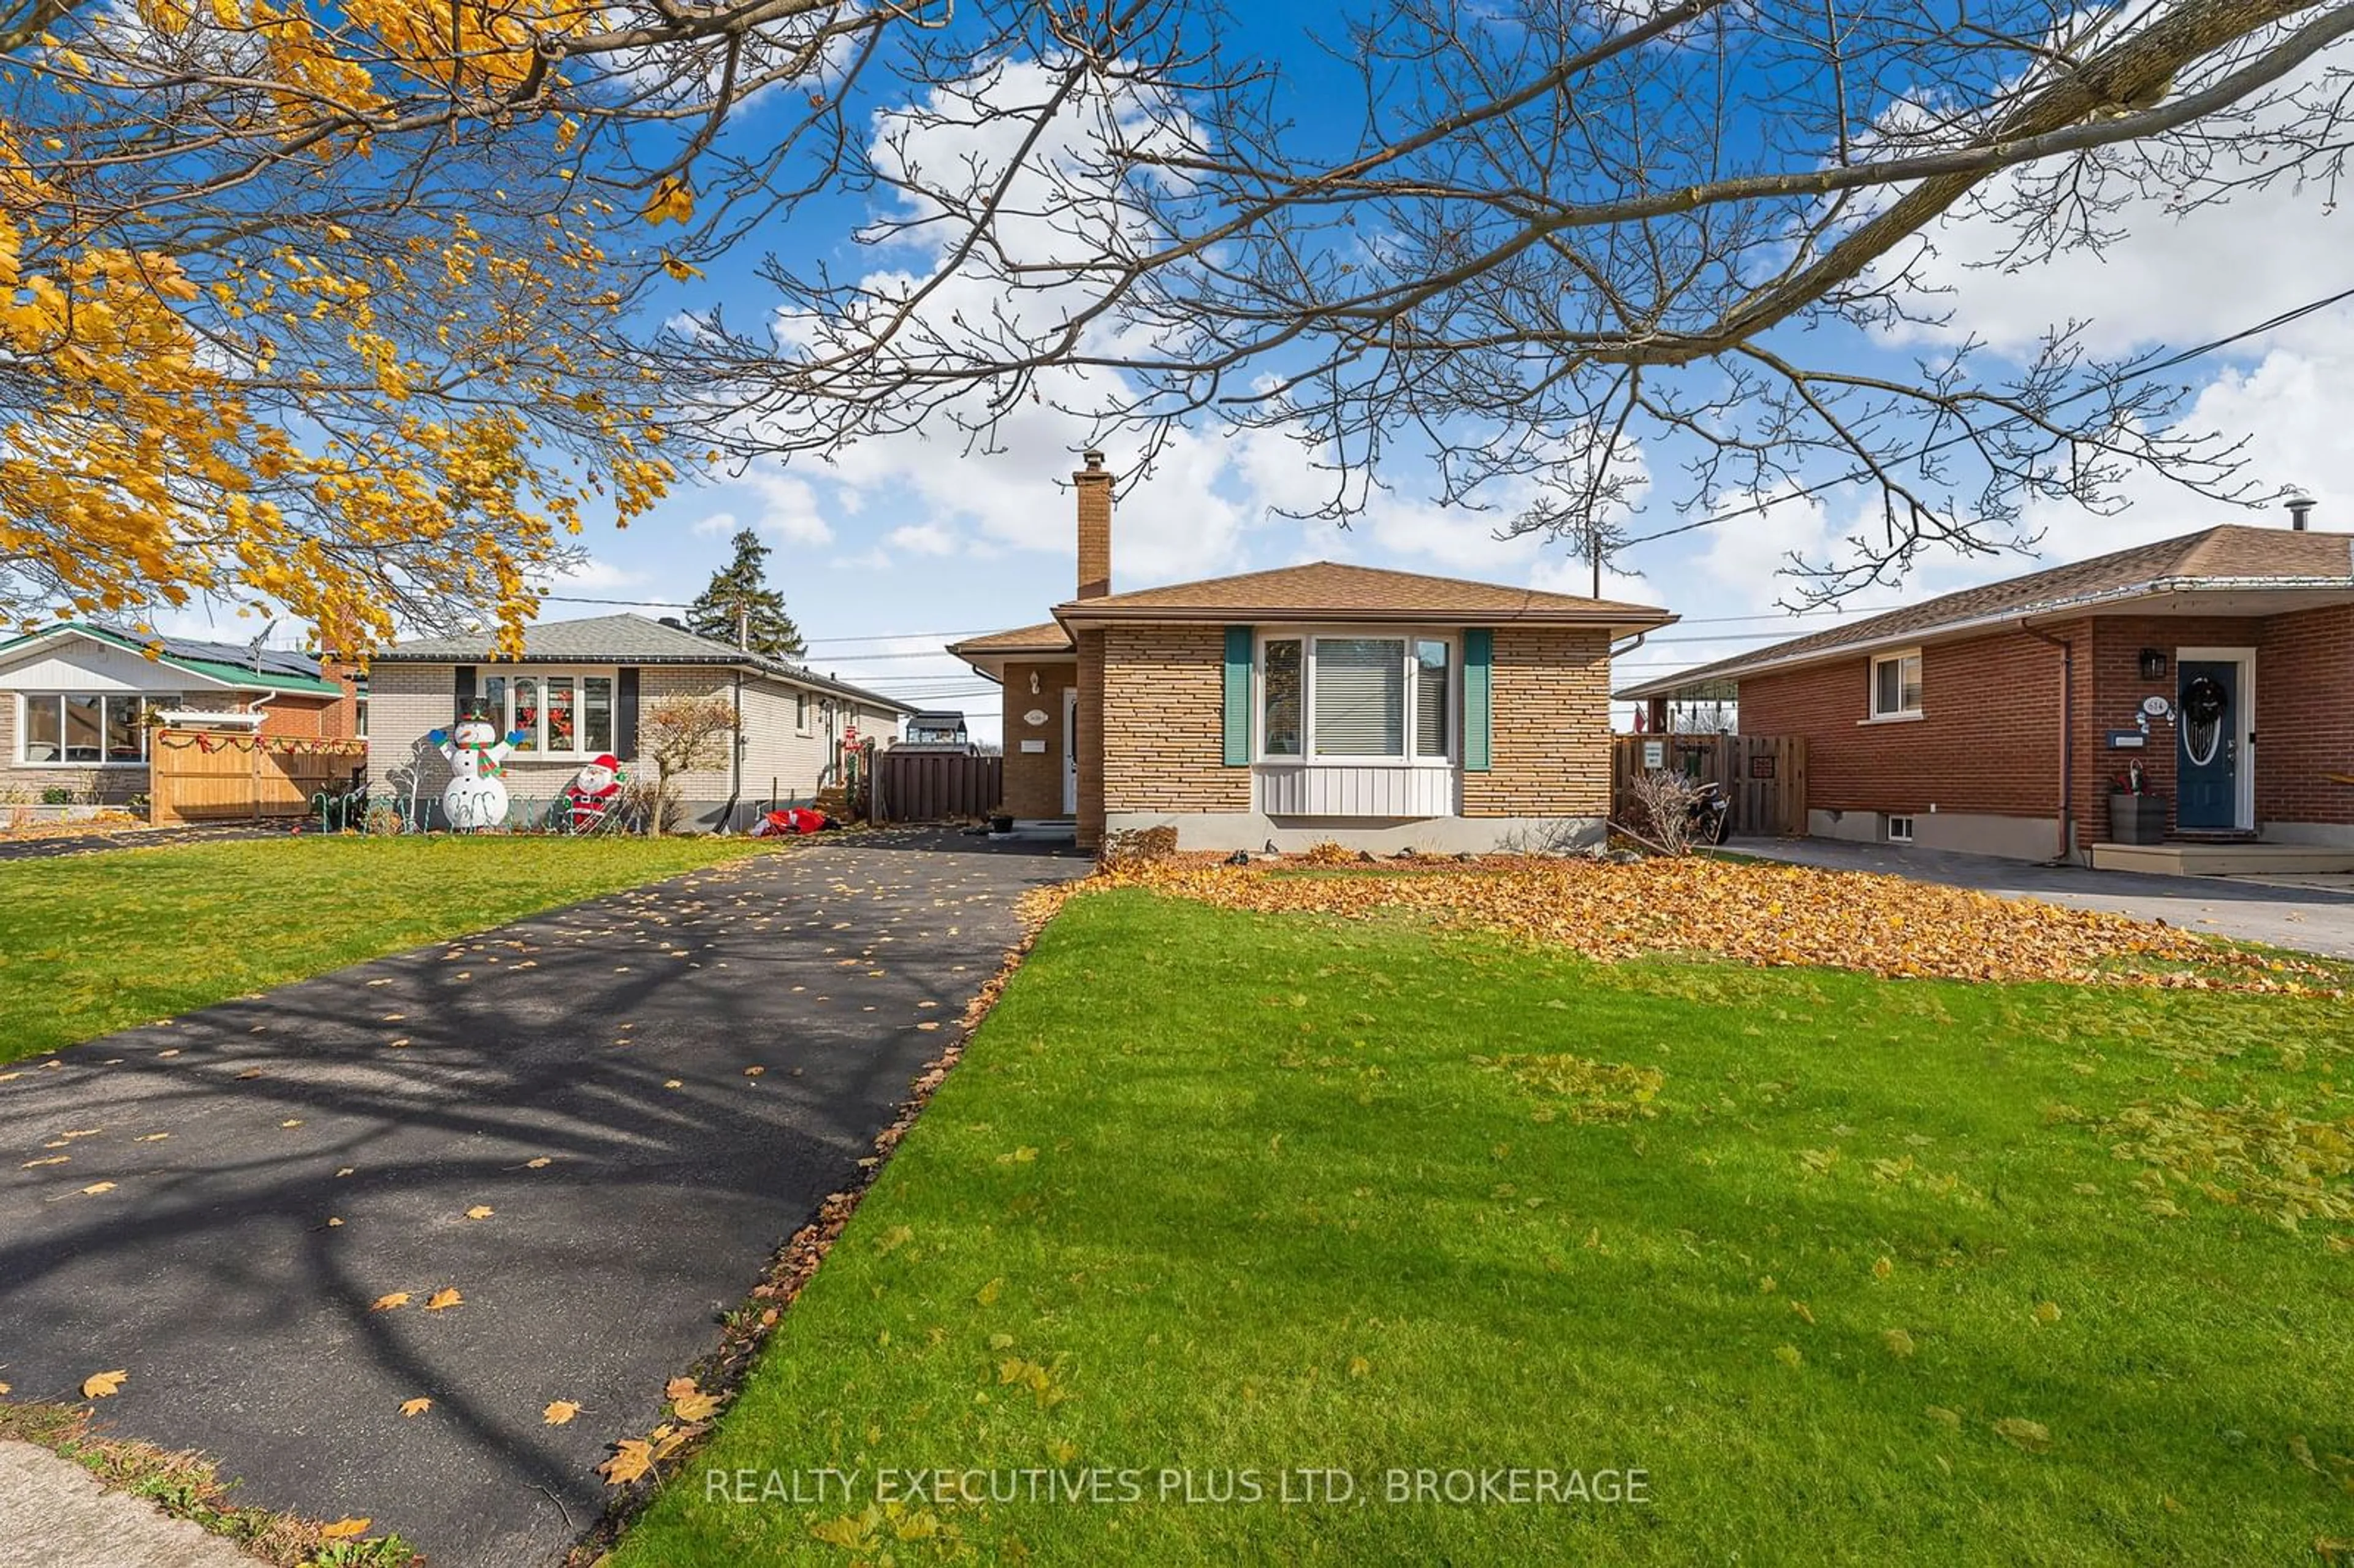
(2136, 816)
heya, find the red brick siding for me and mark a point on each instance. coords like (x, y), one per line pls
(2305, 724)
(1989, 741)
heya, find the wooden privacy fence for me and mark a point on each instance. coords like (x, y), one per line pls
(935, 786)
(1765, 775)
(205, 776)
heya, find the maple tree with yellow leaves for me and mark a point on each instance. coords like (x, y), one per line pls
(328, 309)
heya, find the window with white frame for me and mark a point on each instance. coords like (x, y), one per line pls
(801, 711)
(87, 729)
(557, 714)
(1347, 699)
(1896, 684)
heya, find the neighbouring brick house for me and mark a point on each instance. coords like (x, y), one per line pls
(1995, 719)
(579, 689)
(1375, 709)
(79, 701)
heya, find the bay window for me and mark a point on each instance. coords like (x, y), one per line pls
(563, 715)
(1350, 698)
(87, 729)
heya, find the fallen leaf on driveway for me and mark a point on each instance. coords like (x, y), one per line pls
(539, 1164)
(52, 1159)
(443, 1299)
(387, 1303)
(632, 1457)
(559, 1413)
(95, 1188)
(481, 1212)
(680, 1388)
(151, 1137)
(296, 1121)
(4, 1388)
(345, 1172)
(344, 1529)
(415, 1406)
(103, 1385)
(674, 1084)
(754, 1072)
(696, 1406)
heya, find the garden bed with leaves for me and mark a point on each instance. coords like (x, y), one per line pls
(1751, 911)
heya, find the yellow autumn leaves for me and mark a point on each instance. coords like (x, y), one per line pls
(1759, 914)
(276, 398)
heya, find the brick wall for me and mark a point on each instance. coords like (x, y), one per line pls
(2117, 691)
(2304, 684)
(1164, 721)
(1090, 649)
(1550, 726)
(1033, 781)
(1988, 740)
(1989, 744)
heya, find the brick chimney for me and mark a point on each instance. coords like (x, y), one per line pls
(1094, 485)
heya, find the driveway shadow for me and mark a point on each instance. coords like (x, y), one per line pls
(648, 1092)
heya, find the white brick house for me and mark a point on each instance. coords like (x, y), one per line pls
(580, 688)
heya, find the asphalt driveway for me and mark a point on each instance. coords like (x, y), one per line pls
(647, 1094)
(2310, 916)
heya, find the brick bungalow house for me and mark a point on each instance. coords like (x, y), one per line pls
(1380, 710)
(578, 691)
(77, 702)
(1995, 719)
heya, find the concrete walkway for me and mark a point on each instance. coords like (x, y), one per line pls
(54, 1513)
(2310, 918)
(647, 1094)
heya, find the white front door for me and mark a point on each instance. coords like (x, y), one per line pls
(1070, 751)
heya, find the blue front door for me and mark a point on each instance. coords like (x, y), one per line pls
(2207, 723)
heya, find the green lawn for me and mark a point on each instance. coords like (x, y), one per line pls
(1216, 1193)
(92, 943)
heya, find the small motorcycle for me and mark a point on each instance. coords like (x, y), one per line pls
(1709, 821)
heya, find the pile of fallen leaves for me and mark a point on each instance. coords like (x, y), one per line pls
(1757, 913)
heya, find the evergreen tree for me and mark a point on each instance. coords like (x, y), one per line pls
(739, 598)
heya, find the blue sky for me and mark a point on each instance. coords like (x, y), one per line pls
(908, 541)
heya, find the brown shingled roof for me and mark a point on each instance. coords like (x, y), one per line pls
(2231, 555)
(1329, 590)
(1049, 638)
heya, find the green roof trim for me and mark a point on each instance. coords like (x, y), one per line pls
(228, 675)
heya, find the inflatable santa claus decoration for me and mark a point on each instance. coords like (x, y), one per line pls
(593, 791)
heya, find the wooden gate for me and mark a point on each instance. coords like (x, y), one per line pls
(206, 775)
(1765, 775)
(911, 786)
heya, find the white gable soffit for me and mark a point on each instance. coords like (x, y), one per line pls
(2158, 587)
(71, 659)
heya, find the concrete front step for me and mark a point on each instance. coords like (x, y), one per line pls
(2188, 859)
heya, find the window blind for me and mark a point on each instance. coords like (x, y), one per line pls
(1430, 735)
(1359, 685)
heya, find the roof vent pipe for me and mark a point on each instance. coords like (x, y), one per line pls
(2300, 512)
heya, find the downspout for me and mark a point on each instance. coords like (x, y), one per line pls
(736, 761)
(1618, 653)
(2066, 855)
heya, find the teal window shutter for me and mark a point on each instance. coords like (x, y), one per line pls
(1238, 696)
(1478, 658)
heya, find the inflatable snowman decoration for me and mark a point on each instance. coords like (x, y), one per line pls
(475, 796)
